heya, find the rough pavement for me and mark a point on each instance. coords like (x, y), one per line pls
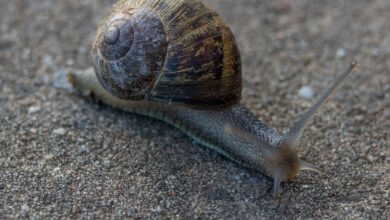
(64, 156)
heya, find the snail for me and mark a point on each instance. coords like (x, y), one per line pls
(178, 62)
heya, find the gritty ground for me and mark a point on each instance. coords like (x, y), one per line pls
(64, 156)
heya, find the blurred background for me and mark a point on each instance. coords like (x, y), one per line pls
(64, 156)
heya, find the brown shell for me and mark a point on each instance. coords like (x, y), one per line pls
(176, 51)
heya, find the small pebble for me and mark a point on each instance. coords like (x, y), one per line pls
(26, 53)
(33, 109)
(60, 79)
(341, 52)
(59, 131)
(69, 62)
(25, 208)
(48, 157)
(49, 62)
(84, 149)
(158, 209)
(306, 92)
(370, 158)
(15, 190)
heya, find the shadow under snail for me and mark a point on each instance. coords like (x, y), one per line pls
(177, 61)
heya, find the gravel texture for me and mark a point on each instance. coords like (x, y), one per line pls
(64, 156)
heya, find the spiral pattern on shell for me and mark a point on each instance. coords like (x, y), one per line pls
(178, 51)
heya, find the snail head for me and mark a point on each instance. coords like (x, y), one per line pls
(283, 158)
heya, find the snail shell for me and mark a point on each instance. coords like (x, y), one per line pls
(175, 51)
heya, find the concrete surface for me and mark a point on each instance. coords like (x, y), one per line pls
(63, 156)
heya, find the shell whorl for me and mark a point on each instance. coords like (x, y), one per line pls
(168, 50)
(129, 52)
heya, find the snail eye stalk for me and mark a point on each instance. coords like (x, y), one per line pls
(294, 134)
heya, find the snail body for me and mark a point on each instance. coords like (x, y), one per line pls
(176, 61)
